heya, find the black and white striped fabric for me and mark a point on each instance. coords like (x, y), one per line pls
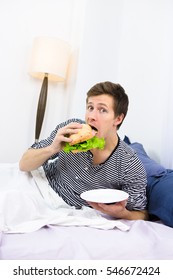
(71, 174)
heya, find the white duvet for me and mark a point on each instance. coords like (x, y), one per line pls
(28, 203)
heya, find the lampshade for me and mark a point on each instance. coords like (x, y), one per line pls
(51, 56)
(49, 62)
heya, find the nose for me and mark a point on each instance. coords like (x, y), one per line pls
(92, 115)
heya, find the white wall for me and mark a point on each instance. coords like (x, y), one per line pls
(130, 42)
(20, 22)
(124, 41)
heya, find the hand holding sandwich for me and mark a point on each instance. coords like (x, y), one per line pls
(66, 139)
(34, 158)
(63, 134)
(76, 138)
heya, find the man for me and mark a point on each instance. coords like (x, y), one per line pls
(116, 166)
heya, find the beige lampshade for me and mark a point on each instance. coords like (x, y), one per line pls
(49, 55)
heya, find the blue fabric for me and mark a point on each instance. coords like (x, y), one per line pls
(160, 197)
(159, 187)
(152, 167)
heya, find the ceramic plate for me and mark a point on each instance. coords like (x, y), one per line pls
(104, 195)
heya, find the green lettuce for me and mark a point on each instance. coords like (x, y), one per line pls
(92, 143)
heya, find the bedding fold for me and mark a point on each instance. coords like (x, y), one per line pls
(28, 203)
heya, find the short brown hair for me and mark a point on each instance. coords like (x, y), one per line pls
(120, 98)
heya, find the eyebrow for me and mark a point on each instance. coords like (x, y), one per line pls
(102, 104)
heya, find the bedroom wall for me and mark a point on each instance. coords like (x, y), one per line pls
(129, 42)
(20, 22)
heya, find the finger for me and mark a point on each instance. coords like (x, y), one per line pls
(106, 207)
(65, 139)
(123, 203)
(94, 205)
(68, 130)
(73, 128)
(75, 125)
(62, 139)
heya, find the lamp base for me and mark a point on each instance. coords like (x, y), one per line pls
(41, 107)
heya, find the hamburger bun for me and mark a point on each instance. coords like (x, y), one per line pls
(85, 139)
(84, 134)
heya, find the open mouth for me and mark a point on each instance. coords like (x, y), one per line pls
(94, 128)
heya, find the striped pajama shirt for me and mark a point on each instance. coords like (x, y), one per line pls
(71, 174)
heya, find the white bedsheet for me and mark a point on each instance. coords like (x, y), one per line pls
(144, 241)
(28, 203)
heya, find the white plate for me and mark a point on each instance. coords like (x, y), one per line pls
(104, 195)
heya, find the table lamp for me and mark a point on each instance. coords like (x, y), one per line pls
(49, 62)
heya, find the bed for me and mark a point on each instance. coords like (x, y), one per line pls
(35, 224)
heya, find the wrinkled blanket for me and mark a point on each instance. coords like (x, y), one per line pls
(28, 203)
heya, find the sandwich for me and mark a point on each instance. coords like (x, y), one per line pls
(85, 139)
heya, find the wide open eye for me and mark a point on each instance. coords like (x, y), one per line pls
(89, 107)
(102, 110)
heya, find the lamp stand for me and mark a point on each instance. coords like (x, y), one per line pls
(41, 107)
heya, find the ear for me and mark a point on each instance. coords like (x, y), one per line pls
(118, 119)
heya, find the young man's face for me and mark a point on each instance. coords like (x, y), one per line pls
(100, 114)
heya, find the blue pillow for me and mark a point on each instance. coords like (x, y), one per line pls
(152, 167)
(160, 197)
(159, 186)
